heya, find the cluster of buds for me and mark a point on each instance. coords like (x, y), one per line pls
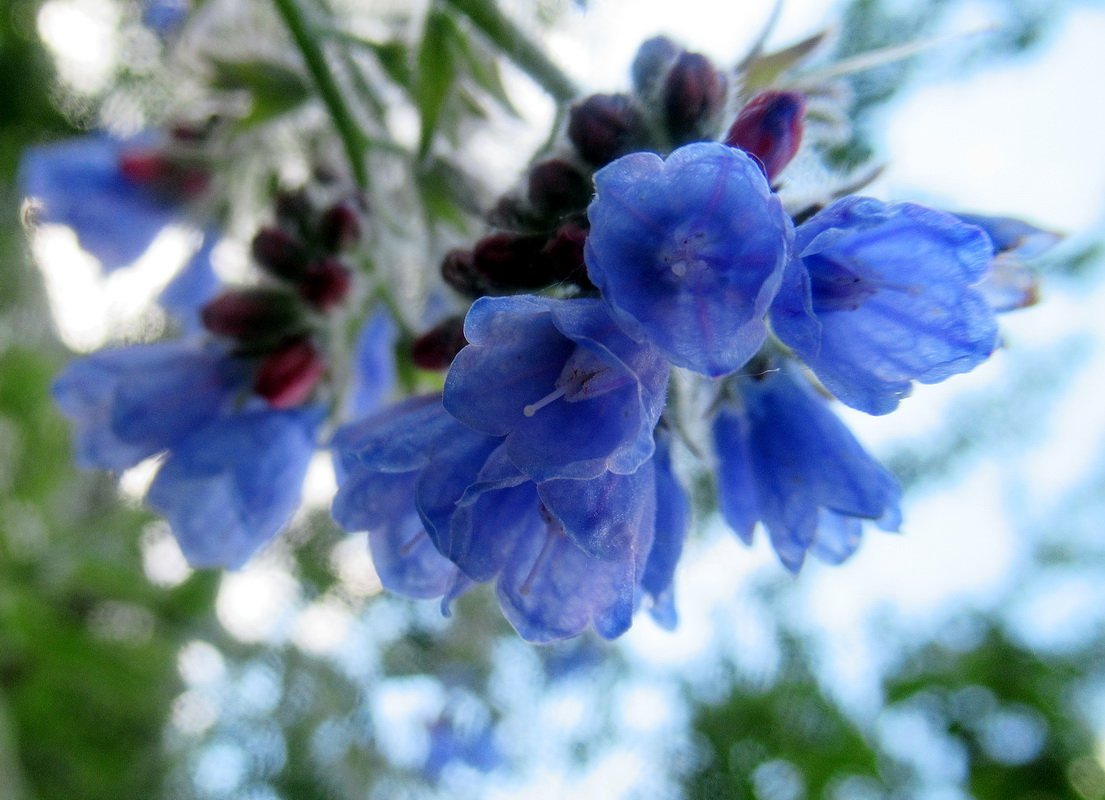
(274, 323)
(539, 230)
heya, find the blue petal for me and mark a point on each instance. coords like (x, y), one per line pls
(689, 252)
(79, 184)
(130, 403)
(192, 287)
(893, 288)
(229, 488)
(396, 439)
(374, 366)
(673, 515)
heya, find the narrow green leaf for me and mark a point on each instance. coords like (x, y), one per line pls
(436, 74)
(274, 88)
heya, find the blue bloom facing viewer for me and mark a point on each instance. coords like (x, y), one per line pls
(689, 252)
(881, 295)
(786, 459)
(80, 183)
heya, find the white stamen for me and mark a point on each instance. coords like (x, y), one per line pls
(533, 408)
(679, 268)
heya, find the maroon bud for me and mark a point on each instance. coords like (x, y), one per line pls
(251, 314)
(339, 228)
(458, 269)
(562, 255)
(437, 347)
(557, 188)
(770, 128)
(603, 127)
(508, 261)
(293, 208)
(288, 375)
(156, 171)
(325, 284)
(693, 95)
(280, 254)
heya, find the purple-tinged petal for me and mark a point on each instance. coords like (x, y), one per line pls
(689, 252)
(673, 516)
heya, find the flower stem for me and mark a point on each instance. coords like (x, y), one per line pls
(345, 123)
(518, 47)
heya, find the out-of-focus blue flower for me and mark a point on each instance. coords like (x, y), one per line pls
(230, 487)
(373, 364)
(786, 459)
(192, 287)
(673, 516)
(164, 16)
(474, 745)
(1010, 283)
(80, 183)
(130, 403)
(881, 295)
(570, 392)
(689, 252)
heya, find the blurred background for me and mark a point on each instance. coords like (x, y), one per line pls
(962, 659)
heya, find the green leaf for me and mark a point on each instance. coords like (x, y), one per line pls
(437, 72)
(763, 70)
(483, 69)
(274, 88)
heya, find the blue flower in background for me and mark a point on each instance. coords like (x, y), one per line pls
(1010, 283)
(689, 252)
(882, 295)
(374, 365)
(194, 286)
(673, 518)
(786, 459)
(130, 403)
(474, 745)
(80, 183)
(230, 487)
(164, 16)
(570, 392)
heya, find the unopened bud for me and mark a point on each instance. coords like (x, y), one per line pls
(694, 93)
(562, 255)
(251, 315)
(280, 254)
(156, 171)
(339, 228)
(437, 347)
(325, 284)
(652, 62)
(603, 127)
(508, 261)
(557, 188)
(288, 375)
(458, 269)
(770, 128)
(293, 208)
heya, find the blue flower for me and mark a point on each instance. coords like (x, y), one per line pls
(373, 364)
(786, 459)
(192, 287)
(565, 554)
(230, 487)
(473, 744)
(689, 252)
(80, 183)
(673, 516)
(570, 392)
(882, 295)
(164, 16)
(130, 403)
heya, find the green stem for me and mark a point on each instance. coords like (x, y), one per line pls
(514, 43)
(344, 122)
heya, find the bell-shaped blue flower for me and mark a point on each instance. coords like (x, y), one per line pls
(193, 287)
(230, 487)
(882, 295)
(689, 252)
(570, 392)
(80, 183)
(130, 403)
(786, 459)
(1010, 283)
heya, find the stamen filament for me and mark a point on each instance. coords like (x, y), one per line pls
(551, 397)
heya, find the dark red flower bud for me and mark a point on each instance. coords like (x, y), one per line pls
(293, 208)
(557, 188)
(156, 171)
(437, 347)
(652, 62)
(251, 315)
(288, 375)
(325, 284)
(694, 92)
(508, 261)
(280, 254)
(770, 128)
(339, 228)
(603, 127)
(458, 269)
(562, 255)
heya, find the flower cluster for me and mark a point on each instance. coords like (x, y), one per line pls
(656, 237)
